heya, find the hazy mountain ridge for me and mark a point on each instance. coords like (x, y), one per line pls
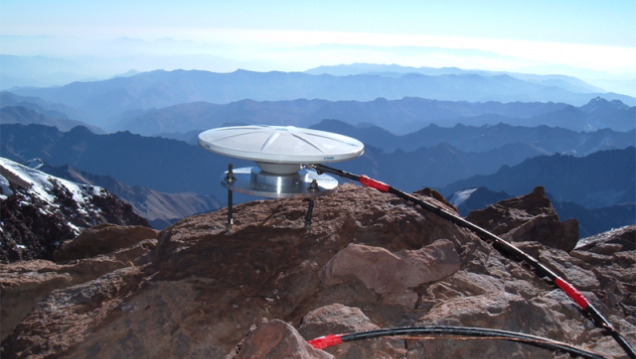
(175, 166)
(602, 179)
(479, 139)
(23, 116)
(160, 164)
(159, 208)
(398, 116)
(566, 82)
(54, 110)
(432, 166)
(103, 100)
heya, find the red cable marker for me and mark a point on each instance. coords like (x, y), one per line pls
(370, 182)
(326, 341)
(572, 292)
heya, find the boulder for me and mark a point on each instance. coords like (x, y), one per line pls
(528, 218)
(616, 240)
(387, 272)
(334, 319)
(277, 339)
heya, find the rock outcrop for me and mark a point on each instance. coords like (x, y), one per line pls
(528, 218)
(277, 339)
(203, 292)
(101, 239)
(387, 272)
(616, 240)
(24, 284)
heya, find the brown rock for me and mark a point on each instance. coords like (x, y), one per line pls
(606, 248)
(202, 288)
(101, 239)
(408, 298)
(24, 284)
(205, 287)
(277, 339)
(334, 319)
(607, 242)
(429, 192)
(528, 218)
(569, 268)
(387, 272)
(66, 314)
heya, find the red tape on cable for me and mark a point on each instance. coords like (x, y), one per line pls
(369, 182)
(326, 341)
(572, 292)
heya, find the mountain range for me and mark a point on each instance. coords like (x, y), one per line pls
(36, 104)
(547, 140)
(601, 179)
(175, 166)
(105, 100)
(598, 180)
(398, 116)
(23, 116)
(565, 82)
(160, 164)
(160, 209)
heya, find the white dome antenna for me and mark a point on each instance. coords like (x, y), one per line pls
(280, 152)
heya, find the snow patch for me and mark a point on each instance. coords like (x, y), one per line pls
(460, 197)
(76, 229)
(6, 188)
(35, 163)
(43, 184)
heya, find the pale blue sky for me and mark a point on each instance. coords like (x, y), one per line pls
(573, 33)
(583, 21)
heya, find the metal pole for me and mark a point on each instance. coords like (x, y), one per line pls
(229, 178)
(313, 187)
(310, 212)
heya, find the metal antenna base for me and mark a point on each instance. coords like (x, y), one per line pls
(305, 183)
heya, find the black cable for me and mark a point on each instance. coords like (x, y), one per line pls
(476, 333)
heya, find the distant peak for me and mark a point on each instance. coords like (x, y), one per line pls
(598, 103)
(35, 163)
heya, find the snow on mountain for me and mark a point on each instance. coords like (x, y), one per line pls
(48, 189)
(39, 211)
(460, 197)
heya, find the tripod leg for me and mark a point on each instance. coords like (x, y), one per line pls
(310, 212)
(229, 178)
(230, 221)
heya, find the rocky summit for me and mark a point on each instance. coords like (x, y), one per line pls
(263, 289)
(38, 211)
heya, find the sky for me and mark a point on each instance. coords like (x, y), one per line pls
(297, 35)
